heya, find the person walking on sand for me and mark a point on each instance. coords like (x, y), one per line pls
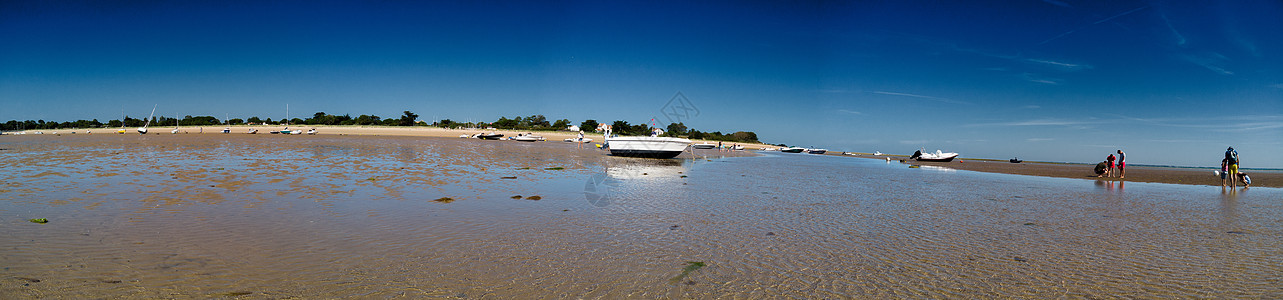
(1122, 164)
(580, 140)
(1231, 158)
(1110, 159)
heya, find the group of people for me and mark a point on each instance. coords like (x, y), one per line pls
(1229, 170)
(1113, 166)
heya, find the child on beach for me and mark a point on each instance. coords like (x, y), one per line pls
(1110, 159)
(1225, 169)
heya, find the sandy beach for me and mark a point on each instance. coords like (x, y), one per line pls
(402, 216)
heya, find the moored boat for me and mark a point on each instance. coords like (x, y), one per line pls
(704, 146)
(644, 146)
(816, 151)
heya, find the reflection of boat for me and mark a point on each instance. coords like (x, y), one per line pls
(792, 150)
(816, 151)
(938, 156)
(1016, 160)
(703, 146)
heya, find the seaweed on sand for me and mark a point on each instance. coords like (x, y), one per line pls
(691, 266)
(444, 200)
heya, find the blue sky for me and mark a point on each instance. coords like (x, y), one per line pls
(1170, 82)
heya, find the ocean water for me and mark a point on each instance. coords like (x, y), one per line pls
(264, 216)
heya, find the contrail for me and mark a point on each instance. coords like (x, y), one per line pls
(1094, 23)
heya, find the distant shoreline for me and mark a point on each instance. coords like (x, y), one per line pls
(1135, 173)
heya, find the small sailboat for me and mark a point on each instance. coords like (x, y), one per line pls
(143, 130)
(228, 123)
(175, 131)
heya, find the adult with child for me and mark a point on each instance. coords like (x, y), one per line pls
(1110, 171)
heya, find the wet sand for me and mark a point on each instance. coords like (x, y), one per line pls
(1083, 171)
(270, 217)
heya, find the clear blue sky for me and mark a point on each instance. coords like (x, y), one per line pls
(1167, 81)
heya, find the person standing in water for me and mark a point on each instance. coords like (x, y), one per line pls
(1231, 158)
(1122, 164)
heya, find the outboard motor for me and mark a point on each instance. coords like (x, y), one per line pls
(916, 154)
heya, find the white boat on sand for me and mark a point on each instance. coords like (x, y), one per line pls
(644, 146)
(938, 156)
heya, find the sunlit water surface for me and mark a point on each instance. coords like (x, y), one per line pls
(268, 216)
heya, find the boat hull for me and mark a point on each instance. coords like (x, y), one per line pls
(648, 147)
(944, 159)
(791, 150)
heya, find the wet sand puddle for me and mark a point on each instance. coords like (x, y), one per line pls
(315, 216)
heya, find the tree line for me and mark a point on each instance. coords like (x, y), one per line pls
(408, 118)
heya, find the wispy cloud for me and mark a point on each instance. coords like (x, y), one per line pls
(1060, 65)
(1245, 123)
(850, 112)
(1180, 39)
(1211, 61)
(915, 142)
(1277, 85)
(945, 100)
(1093, 23)
(1038, 122)
(1057, 3)
(1039, 139)
(1039, 79)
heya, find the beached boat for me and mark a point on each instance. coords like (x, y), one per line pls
(1016, 160)
(644, 146)
(252, 131)
(492, 136)
(704, 146)
(527, 138)
(311, 131)
(143, 130)
(792, 149)
(817, 151)
(938, 156)
(578, 140)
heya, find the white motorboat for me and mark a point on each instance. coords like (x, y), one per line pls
(792, 149)
(527, 138)
(311, 131)
(938, 156)
(704, 146)
(877, 153)
(644, 146)
(251, 131)
(737, 148)
(578, 140)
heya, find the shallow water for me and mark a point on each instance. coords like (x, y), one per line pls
(339, 216)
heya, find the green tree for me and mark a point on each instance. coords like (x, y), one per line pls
(588, 125)
(408, 119)
(254, 120)
(676, 129)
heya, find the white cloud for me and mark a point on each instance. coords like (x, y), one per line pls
(1038, 122)
(850, 112)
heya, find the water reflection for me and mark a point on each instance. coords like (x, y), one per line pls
(617, 172)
